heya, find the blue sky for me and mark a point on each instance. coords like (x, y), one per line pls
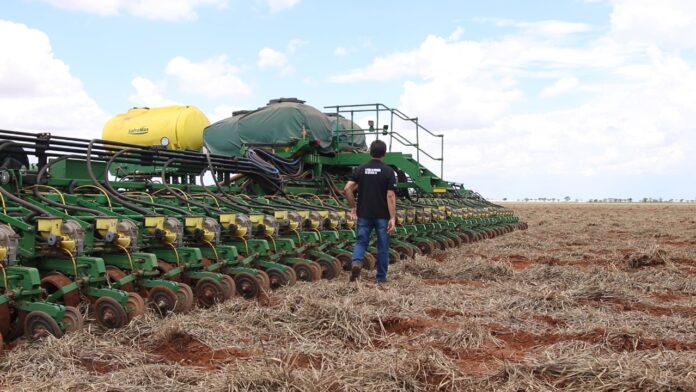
(583, 98)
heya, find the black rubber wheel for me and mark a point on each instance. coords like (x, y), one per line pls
(369, 261)
(403, 251)
(39, 324)
(292, 276)
(247, 285)
(109, 313)
(394, 256)
(135, 306)
(229, 286)
(72, 320)
(328, 270)
(304, 272)
(209, 292)
(184, 298)
(263, 279)
(278, 278)
(346, 260)
(425, 247)
(164, 301)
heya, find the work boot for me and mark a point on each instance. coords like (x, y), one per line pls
(355, 273)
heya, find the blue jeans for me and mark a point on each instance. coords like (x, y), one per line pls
(365, 226)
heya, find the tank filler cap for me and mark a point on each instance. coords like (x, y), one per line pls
(281, 100)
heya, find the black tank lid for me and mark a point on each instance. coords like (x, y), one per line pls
(281, 100)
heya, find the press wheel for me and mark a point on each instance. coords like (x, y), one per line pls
(403, 252)
(264, 280)
(208, 292)
(317, 270)
(39, 324)
(247, 285)
(328, 270)
(109, 313)
(54, 282)
(393, 256)
(346, 260)
(72, 319)
(135, 305)
(304, 272)
(338, 266)
(163, 300)
(278, 278)
(369, 261)
(229, 286)
(292, 276)
(184, 298)
(425, 247)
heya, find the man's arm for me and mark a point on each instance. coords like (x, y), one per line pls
(391, 203)
(348, 191)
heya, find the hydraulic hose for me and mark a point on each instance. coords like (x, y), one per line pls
(37, 194)
(131, 199)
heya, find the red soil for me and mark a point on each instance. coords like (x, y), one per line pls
(669, 296)
(440, 256)
(525, 341)
(406, 326)
(519, 262)
(186, 350)
(440, 313)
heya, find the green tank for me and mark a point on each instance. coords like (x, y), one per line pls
(280, 123)
(350, 135)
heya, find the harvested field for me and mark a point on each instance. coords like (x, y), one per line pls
(591, 297)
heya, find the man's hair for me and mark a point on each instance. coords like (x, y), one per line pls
(378, 148)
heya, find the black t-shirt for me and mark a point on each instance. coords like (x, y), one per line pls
(374, 179)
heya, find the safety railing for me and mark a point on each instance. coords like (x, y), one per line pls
(392, 114)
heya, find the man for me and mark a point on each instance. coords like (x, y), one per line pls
(376, 208)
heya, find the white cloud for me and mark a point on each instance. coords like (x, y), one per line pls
(279, 5)
(543, 27)
(560, 87)
(456, 34)
(340, 51)
(630, 127)
(212, 78)
(667, 22)
(635, 117)
(150, 9)
(471, 103)
(295, 44)
(270, 58)
(37, 90)
(221, 112)
(149, 93)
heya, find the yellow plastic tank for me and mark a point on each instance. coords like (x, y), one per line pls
(176, 127)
